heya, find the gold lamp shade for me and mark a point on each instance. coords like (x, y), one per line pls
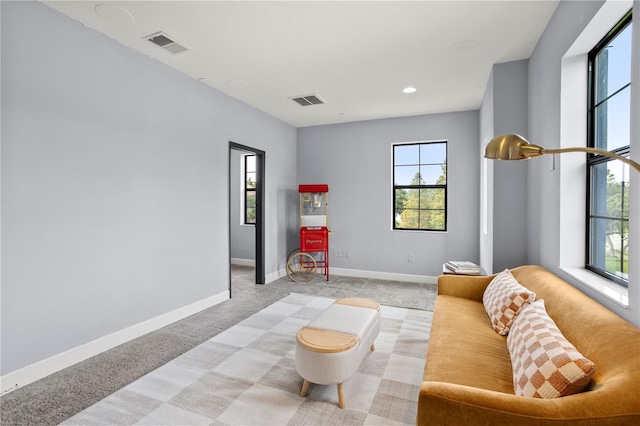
(512, 146)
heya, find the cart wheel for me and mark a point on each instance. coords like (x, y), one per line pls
(301, 267)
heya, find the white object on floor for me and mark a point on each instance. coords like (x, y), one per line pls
(331, 348)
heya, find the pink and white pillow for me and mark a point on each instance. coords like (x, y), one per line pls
(545, 364)
(503, 298)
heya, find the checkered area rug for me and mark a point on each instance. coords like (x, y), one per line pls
(246, 375)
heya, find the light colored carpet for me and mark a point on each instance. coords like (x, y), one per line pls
(51, 400)
(246, 376)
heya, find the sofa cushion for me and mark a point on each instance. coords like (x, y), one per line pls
(503, 299)
(545, 364)
(463, 348)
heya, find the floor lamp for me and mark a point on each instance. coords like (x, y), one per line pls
(514, 147)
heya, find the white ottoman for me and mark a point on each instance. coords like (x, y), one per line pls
(331, 348)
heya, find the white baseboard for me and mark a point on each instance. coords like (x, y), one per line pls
(29, 374)
(389, 276)
(275, 276)
(250, 262)
(243, 262)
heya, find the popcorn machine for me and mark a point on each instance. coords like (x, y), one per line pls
(314, 234)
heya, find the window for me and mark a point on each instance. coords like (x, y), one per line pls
(249, 189)
(420, 186)
(609, 129)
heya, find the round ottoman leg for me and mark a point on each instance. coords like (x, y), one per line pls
(305, 388)
(340, 396)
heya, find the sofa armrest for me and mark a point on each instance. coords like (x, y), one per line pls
(452, 404)
(466, 286)
(448, 404)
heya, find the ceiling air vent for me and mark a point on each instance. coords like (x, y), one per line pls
(164, 41)
(308, 100)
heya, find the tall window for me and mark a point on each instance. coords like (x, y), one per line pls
(420, 186)
(249, 189)
(609, 129)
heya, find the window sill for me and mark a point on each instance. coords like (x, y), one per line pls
(615, 292)
(419, 231)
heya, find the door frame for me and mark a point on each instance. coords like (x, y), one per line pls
(260, 228)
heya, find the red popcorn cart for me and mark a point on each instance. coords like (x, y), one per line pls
(313, 253)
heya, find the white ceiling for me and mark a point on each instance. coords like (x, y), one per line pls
(356, 55)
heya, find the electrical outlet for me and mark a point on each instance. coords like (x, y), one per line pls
(340, 253)
(347, 253)
(410, 258)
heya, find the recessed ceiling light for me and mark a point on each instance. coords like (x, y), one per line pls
(464, 46)
(237, 84)
(114, 13)
(409, 90)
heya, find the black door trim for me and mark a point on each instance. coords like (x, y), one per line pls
(260, 185)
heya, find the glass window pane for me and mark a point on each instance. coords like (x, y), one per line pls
(613, 65)
(251, 180)
(410, 219)
(598, 190)
(250, 163)
(251, 207)
(409, 213)
(407, 175)
(406, 154)
(610, 190)
(251, 215)
(432, 219)
(609, 248)
(432, 198)
(401, 196)
(433, 153)
(433, 174)
(612, 121)
(412, 200)
(251, 199)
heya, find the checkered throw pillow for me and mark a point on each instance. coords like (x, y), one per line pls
(503, 299)
(545, 364)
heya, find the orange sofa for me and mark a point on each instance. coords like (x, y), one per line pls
(468, 377)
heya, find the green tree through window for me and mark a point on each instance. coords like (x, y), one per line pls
(618, 206)
(420, 186)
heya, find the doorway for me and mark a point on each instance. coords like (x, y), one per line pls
(259, 208)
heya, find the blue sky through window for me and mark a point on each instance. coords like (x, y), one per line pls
(618, 122)
(426, 159)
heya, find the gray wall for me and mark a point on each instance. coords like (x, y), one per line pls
(355, 160)
(115, 185)
(510, 86)
(243, 237)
